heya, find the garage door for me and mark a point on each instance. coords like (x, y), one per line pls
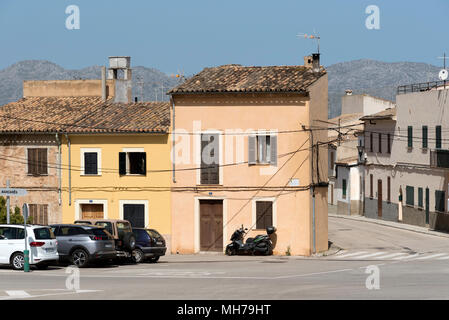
(135, 214)
(211, 225)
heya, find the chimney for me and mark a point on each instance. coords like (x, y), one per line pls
(103, 83)
(123, 86)
(308, 61)
(316, 62)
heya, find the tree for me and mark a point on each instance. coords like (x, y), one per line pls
(14, 217)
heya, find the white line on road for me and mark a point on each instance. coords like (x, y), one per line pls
(369, 255)
(407, 257)
(17, 293)
(351, 254)
(443, 258)
(431, 256)
(391, 255)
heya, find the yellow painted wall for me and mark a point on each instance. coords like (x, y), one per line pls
(110, 186)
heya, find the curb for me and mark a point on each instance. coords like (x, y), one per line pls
(396, 225)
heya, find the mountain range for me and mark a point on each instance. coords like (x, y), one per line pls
(372, 77)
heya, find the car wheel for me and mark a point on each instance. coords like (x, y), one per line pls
(138, 256)
(154, 259)
(80, 258)
(18, 261)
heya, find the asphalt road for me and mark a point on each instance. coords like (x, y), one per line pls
(411, 266)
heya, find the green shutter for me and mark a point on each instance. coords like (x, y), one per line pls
(410, 136)
(424, 137)
(344, 188)
(439, 200)
(410, 195)
(438, 137)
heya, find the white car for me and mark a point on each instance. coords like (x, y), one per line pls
(42, 246)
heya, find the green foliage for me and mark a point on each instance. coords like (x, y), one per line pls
(287, 252)
(14, 217)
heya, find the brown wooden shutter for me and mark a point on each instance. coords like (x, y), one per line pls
(32, 161)
(210, 173)
(264, 214)
(42, 161)
(33, 213)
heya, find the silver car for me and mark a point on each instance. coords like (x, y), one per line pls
(83, 244)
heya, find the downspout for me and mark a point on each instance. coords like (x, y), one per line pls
(70, 169)
(173, 140)
(59, 170)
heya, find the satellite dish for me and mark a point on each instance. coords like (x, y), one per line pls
(443, 74)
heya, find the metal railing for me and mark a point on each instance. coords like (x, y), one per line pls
(419, 87)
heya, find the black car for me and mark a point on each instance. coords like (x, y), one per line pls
(150, 245)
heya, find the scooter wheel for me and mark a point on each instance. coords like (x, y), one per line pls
(230, 252)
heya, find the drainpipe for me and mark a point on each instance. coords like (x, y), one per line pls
(313, 219)
(59, 169)
(70, 169)
(173, 140)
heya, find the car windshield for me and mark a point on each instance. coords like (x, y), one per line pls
(106, 225)
(43, 234)
(153, 233)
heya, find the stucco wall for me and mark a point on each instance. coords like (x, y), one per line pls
(66, 88)
(389, 210)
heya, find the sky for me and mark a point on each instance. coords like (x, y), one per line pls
(187, 36)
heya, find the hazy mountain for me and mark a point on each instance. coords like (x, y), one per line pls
(362, 76)
(376, 78)
(146, 81)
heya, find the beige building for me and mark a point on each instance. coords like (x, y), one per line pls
(408, 159)
(243, 127)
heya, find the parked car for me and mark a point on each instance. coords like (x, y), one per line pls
(83, 244)
(121, 231)
(150, 245)
(42, 245)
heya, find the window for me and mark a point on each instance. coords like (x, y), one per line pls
(410, 136)
(420, 197)
(12, 233)
(380, 142)
(43, 234)
(409, 195)
(439, 200)
(371, 186)
(371, 142)
(90, 161)
(264, 214)
(388, 189)
(38, 213)
(262, 149)
(107, 226)
(132, 163)
(210, 173)
(37, 161)
(438, 137)
(344, 188)
(424, 137)
(388, 143)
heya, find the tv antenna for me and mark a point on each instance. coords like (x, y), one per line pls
(443, 74)
(313, 36)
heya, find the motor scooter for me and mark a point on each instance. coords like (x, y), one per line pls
(260, 244)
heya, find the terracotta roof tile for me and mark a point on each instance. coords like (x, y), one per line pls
(83, 115)
(237, 78)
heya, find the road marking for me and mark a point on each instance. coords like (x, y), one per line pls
(370, 255)
(407, 257)
(431, 256)
(351, 254)
(391, 255)
(311, 274)
(17, 293)
(341, 252)
(443, 258)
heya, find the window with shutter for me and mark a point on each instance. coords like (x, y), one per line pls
(424, 137)
(371, 195)
(410, 195)
(410, 136)
(439, 200)
(380, 142)
(209, 173)
(132, 163)
(251, 150)
(37, 161)
(90, 163)
(344, 188)
(438, 137)
(122, 163)
(262, 149)
(264, 214)
(32, 161)
(38, 213)
(420, 197)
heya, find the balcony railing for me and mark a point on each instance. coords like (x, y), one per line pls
(418, 87)
(439, 158)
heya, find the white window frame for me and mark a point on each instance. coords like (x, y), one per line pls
(144, 202)
(254, 211)
(79, 202)
(127, 151)
(220, 154)
(266, 133)
(87, 150)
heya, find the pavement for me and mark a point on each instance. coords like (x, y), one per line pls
(372, 261)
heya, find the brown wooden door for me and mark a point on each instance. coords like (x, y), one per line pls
(92, 211)
(211, 225)
(379, 198)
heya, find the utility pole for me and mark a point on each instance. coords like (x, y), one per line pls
(7, 204)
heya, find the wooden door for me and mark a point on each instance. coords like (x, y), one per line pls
(92, 211)
(211, 225)
(379, 198)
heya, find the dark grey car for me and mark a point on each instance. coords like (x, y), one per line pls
(82, 244)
